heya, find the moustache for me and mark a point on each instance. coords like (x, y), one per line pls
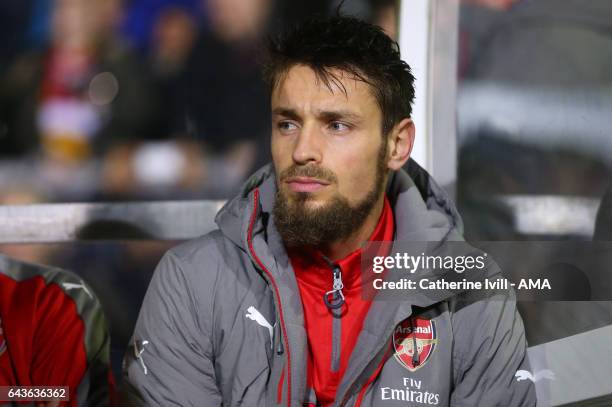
(309, 171)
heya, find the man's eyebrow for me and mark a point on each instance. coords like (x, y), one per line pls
(327, 115)
(330, 115)
(286, 112)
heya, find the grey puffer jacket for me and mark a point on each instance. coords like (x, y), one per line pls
(222, 321)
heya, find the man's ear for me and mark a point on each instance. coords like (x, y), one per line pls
(399, 144)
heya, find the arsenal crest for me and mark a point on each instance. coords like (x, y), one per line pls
(414, 340)
(2, 340)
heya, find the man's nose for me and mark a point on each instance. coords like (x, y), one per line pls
(308, 146)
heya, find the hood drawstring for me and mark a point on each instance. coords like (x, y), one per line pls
(280, 349)
(415, 351)
(337, 300)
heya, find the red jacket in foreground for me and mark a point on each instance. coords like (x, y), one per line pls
(53, 333)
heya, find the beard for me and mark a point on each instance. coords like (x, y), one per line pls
(333, 221)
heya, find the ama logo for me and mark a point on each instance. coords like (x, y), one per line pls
(414, 340)
(2, 340)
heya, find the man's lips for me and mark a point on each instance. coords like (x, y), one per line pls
(305, 184)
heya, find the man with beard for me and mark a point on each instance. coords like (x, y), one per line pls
(267, 310)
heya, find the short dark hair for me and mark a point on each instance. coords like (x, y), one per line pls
(353, 46)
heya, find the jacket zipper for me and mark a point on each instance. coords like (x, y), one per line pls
(276, 292)
(336, 339)
(335, 306)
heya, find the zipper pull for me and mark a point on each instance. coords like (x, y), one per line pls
(337, 296)
(280, 349)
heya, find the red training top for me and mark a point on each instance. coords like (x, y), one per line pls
(52, 333)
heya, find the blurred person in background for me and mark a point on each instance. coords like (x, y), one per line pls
(53, 333)
(170, 162)
(224, 95)
(173, 38)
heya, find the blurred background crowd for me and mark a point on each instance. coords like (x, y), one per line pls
(138, 99)
(122, 100)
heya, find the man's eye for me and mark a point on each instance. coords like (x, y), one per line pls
(339, 126)
(286, 126)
